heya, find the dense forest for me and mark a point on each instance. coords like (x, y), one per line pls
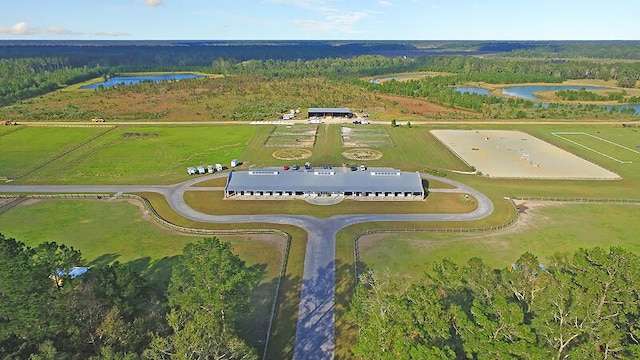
(578, 306)
(114, 312)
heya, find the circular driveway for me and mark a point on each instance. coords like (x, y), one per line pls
(315, 327)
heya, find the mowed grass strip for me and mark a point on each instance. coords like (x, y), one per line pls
(106, 231)
(146, 155)
(213, 202)
(27, 149)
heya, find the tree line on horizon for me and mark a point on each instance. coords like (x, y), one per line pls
(24, 78)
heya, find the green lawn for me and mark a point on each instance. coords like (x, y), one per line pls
(212, 202)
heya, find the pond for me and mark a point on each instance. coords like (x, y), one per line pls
(129, 80)
(528, 91)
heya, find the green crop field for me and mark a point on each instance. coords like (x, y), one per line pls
(106, 231)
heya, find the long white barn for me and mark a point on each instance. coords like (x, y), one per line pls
(271, 183)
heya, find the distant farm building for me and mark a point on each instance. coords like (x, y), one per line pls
(374, 184)
(329, 112)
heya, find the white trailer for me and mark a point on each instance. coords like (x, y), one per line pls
(219, 167)
(191, 170)
(201, 169)
(234, 162)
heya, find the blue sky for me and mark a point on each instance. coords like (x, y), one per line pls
(320, 20)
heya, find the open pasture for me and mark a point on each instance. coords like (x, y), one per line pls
(544, 229)
(292, 136)
(30, 149)
(367, 136)
(514, 154)
(140, 154)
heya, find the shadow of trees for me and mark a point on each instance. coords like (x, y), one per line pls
(283, 330)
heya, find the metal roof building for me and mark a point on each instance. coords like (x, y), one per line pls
(375, 182)
(334, 112)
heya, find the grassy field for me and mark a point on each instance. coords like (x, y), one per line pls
(160, 155)
(544, 229)
(25, 150)
(106, 231)
(121, 155)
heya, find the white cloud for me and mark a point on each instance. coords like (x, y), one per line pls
(153, 3)
(23, 29)
(328, 18)
(386, 3)
(109, 33)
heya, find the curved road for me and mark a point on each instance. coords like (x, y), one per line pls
(315, 328)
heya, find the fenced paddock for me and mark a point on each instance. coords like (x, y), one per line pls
(368, 136)
(603, 147)
(292, 136)
(515, 154)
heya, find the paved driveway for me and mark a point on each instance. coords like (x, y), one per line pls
(315, 328)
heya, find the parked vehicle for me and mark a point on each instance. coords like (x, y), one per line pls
(286, 167)
(295, 167)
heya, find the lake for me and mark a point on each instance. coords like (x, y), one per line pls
(527, 92)
(130, 80)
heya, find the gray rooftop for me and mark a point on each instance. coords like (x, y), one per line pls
(329, 110)
(320, 180)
